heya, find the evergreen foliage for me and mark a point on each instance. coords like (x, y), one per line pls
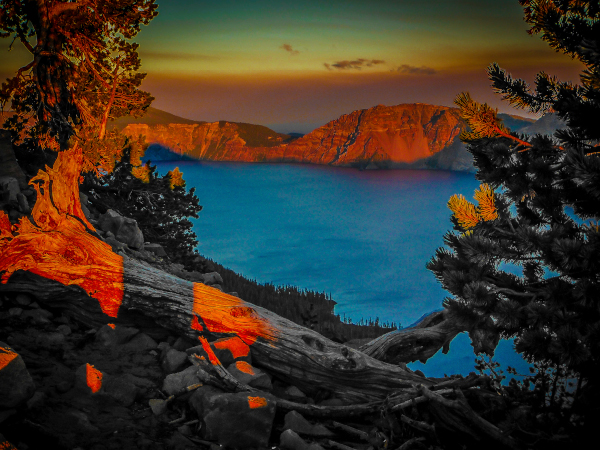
(531, 271)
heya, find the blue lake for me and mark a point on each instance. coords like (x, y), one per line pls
(363, 236)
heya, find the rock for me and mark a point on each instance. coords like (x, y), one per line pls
(173, 360)
(212, 278)
(239, 420)
(64, 329)
(123, 229)
(64, 386)
(156, 249)
(23, 205)
(9, 188)
(217, 286)
(138, 381)
(38, 316)
(37, 401)
(110, 221)
(252, 376)
(177, 381)
(15, 312)
(296, 422)
(50, 341)
(16, 385)
(117, 246)
(201, 397)
(120, 389)
(81, 422)
(182, 343)
(23, 300)
(291, 441)
(9, 167)
(139, 344)
(109, 336)
(294, 393)
(130, 234)
(178, 441)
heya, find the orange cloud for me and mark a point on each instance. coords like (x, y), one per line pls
(414, 70)
(356, 64)
(288, 48)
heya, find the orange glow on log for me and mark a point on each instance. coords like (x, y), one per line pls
(209, 351)
(224, 313)
(93, 378)
(6, 356)
(56, 244)
(257, 402)
(112, 325)
(243, 366)
(7, 446)
(196, 324)
(235, 346)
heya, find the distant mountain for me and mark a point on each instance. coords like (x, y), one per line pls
(382, 136)
(547, 124)
(152, 117)
(515, 123)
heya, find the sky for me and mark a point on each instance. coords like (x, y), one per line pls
(295, 65)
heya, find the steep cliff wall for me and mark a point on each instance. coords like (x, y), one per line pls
(390, 134)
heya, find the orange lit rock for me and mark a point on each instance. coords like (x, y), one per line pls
(7, 446)
(224, 313)
(93, 378)
(243, 366)
(112, 325)
(57, 244)
(235, 346)
(6, 356)
(196, 324)
(257, 402)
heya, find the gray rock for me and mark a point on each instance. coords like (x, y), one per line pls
(23, 300)
(156, 249)
(64, 329)
(117, 246)
(9, 188)
(38, 316)
(182, 343)
(15, 312)
(23, 205)
(118, 335)
(110, 221)
(139, 344)
(50, 341)
(213, 278)
(173, 360)
(252, 376)
(239, 420)
(291, 441)
(16, 385)
(217, 286)
(296, 422)
(37, 401)
(294, 392)
(201, 397)
(177, 381)
(82, 422)
(120, 389)
(129, 233)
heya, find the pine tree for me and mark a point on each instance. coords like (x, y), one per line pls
(525, 262)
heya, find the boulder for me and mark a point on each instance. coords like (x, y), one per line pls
(156, 249)
(239, 420)
(109, 336)
(212, 278)
(140, 343)
(23, 300)
(129, 233)
(252, 376)
(9, 188)
(23, 205)
(110, 221)
(121, 389)
(291, 441)
(50, 341)
(201, 397)
(16, 385)
(173, 360)
(296, 422)
(38, 316)
(177, 381)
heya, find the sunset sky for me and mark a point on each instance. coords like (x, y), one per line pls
(294, 66)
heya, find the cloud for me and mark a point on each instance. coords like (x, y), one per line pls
(288, 48)
(356, 64)
(414, 70)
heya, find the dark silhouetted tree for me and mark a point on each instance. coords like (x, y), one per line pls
(524, 262)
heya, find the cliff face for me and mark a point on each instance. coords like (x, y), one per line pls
(391, 134)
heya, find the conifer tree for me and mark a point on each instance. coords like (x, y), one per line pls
(525, 262)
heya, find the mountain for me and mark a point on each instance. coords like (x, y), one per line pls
(382, 136)
(547, 124)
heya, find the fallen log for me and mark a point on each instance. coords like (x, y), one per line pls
(56, 256)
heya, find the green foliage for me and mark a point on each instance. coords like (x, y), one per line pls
(533, 273)
(162, 206)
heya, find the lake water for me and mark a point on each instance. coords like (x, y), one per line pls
(363, 236)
